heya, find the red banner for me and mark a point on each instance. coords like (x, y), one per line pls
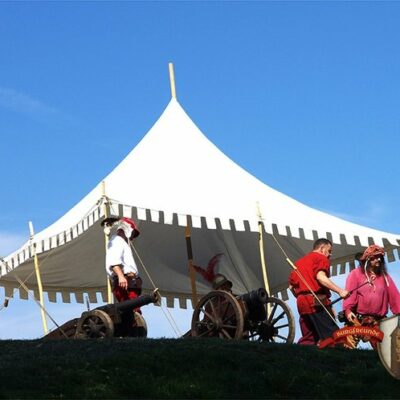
(367, 333)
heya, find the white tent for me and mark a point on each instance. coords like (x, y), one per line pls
(173, 176)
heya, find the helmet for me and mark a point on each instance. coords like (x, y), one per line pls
(372, 251)
(220, 280)
(126, 224)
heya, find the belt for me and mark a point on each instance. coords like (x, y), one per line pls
(319, 295)
(134, 281)
(377, 317)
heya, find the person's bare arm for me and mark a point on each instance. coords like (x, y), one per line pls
(325, 281)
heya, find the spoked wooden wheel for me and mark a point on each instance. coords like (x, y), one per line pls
(218, 314)
(278, 327)
(95, 324)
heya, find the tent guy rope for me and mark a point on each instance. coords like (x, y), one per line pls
(22, 284)
(169, 317)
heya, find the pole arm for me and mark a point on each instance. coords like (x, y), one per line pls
(261, 249)
(299, 274)
(350, 292)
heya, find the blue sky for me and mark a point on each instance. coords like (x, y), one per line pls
(303, 95)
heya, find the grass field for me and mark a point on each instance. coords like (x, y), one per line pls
(188, 369)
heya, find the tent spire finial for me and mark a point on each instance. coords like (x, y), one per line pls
(172, 80)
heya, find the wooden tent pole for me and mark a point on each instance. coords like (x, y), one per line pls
(110, 298)
(38, 279)
(261, 246)
(192, 272)
(172, 80)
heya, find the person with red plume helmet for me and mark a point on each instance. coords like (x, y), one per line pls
(370, 303)
(120, 264)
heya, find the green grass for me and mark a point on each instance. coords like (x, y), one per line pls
(188, 369)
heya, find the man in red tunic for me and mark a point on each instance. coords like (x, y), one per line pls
(312, 274)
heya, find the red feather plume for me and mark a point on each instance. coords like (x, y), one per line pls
(208, 273)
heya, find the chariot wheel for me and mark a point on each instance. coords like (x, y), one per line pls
(218, 314)
(278, 327)
(95, 324)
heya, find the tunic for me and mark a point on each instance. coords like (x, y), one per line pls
(119, 253)
(374, 299)
(309, 266)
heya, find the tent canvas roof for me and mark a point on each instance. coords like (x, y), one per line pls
(175, 173)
